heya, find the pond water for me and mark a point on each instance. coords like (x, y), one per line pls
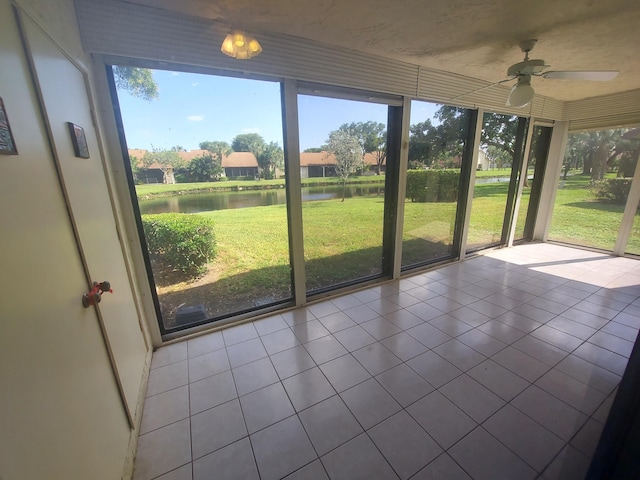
(205, 202)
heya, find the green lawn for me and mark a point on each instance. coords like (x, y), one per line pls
(343, 241)
(580, 219)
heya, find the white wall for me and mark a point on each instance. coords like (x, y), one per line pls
(61, 416)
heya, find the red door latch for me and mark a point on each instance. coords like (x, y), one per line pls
(95, 294)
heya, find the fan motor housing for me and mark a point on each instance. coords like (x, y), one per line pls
(528, 67)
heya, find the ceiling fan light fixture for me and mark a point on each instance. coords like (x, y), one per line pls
(240, 45)
(521, 93)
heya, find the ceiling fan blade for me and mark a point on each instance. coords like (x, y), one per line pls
(601, 76)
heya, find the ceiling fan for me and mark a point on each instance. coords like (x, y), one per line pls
(522, 92)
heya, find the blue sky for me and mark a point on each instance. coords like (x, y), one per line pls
(192, 108)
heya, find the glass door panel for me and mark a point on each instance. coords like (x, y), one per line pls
(633, 243)
(498, 148)
(535, 166)
(342, 164)
(593, 188)
(436, 144)
(206, 159)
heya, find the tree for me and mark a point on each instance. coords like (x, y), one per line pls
(248, 142)
(139, 82)
(597, 151)
(629, 158)
(136, 170)
(312, 150)
(348, 152)
(220, 149)
(451, 133)
(372, 138)
(499, 131)
(420, 143)
(217, 148)
(166, 160)
(443, 142)
(269, 159)
(205, 168)
(572, 153)
(499, 157)
(604, 145)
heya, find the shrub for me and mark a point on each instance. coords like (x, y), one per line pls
(183, 178)
(448, 185)
(613, 190)
(416, 184)
(179, 241)
(432, 185)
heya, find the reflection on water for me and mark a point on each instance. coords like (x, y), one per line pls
(208, 201)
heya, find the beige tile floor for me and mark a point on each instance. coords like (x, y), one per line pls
(500, 367)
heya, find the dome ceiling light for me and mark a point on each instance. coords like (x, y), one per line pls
(240, 45)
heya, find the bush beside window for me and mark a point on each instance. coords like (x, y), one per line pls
(433, 185)
(180, 242)
(612, 190)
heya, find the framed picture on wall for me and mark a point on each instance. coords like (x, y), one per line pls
(79, 140)
(7, 144)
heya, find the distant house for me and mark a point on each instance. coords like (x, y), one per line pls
(323, 164)
(237, 164)
(483, 162)
(234, 165)
(317, 164)
(240, 164)
(245, 165)
(371, 161)
(153, 173)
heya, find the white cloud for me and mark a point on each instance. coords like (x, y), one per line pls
(194, 84)
(195, 118)
(175, 74)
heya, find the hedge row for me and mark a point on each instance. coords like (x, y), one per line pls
(178, 241)
(433, 185)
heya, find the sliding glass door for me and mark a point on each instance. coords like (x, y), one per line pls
(343, 161)
(594, 187)
(206, 164)
(534, 170)
(497, 175)
(437, 137)
(206, 167)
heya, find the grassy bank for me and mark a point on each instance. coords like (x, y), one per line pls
(158, 189)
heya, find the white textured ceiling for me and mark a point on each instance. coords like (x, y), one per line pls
(475, 38)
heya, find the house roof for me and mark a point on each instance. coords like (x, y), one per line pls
(248, 159)
(239, 159)
(235, 159)
(138, 153)
(308, 159)
(191, 154)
